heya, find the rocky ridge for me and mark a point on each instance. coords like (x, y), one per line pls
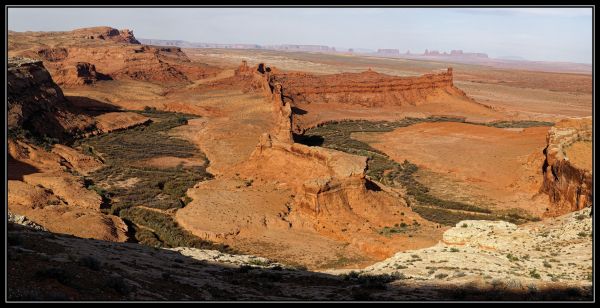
(568, 185)
(84, 56)
(370, 89)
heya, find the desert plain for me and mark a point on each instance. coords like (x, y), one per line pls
(291, 175)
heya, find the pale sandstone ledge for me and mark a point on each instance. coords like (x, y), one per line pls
(555, 250)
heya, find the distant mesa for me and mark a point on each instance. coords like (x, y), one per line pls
(454, 53)
(394, 52)
(107, 33)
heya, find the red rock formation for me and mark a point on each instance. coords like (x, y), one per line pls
(107, 33)
(79, 74)
(569, 186)
(330, 187)
(112, 53)
(367, 88)
(37, 104)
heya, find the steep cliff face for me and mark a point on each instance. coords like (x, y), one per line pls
(37, 104)
(367, 88)
(42, 185)
(331, 193)
(84, 55)
(568, 184)
(80, 73)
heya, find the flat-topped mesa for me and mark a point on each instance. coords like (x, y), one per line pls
(107, 33)
(367, 88)
(109, 54)
(567, 168)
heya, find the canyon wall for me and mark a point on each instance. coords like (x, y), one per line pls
(37, 104)
(567, 175)
(84, 56)
(331, 192)
(370, 89)
(44, 185)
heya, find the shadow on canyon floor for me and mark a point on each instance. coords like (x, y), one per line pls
(17, 169)
(46, 266)
(90, 106)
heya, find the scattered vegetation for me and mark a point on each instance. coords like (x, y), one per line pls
(512, 258)
(124, 152)
(337, 135)
(44, 141)
(515, 124)
(166, 230)
(398, 228)
(126, 182)
(534, 274)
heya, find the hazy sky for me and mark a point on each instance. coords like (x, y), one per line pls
(547, 34)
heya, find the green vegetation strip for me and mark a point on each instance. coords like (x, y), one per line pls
(165, 231)
(126, 181)
(337, 135)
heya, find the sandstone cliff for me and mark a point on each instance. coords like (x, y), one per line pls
(37, 104)
(331, 192)
(368, 88)
(567, 172)
(84, 56)
(107, 33)
(43, 185)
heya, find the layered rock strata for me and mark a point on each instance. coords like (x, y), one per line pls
(37, 104)
(83, 56)
(370, 89)
(568, 184)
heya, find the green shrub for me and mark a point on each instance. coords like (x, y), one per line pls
(166, 229)
(512, 258)
(534, 274)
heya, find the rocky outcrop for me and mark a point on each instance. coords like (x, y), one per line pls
(114, 121)
(558, 250)
(83, 56)
(37, 104)
(568, 185)
(40, 266)
(24, 221)
(81, 73)
(43, 186)
(368, 88)
(330, 188)
(107, 33)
